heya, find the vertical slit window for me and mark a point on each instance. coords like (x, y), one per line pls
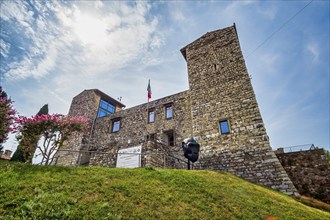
(171, 139)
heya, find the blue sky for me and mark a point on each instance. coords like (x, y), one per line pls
(52, 50)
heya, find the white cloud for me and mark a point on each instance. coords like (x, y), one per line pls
(11, 9)
(4, 48)
(93, 44)
(73, 63)
(268, 12)
(98, 4)
(17, 11)
(178, 15)
(30, 67)
(237, 5)
(48, 62)
(19, 70)
(156, 42)
(269, 62)
(314, 50)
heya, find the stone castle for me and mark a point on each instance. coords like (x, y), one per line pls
(219, 110)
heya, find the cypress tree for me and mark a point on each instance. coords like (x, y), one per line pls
(18, 155)
(43, 110)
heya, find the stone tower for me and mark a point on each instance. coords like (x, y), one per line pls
(225, 116)
(91, 103)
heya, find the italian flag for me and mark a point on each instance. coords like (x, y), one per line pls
(149, 90)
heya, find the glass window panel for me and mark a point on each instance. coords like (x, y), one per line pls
(103, 104)
(105, 108)
(101, 113)
(151, 116)
(116, 126)
(169, 112)
(224, 127)
(111, 108)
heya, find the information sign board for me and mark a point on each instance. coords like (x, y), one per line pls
(129, 157)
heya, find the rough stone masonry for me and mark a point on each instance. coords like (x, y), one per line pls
(219, 110)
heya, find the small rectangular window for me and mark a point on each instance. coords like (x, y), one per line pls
(169, 137)
(224, 127)
(115, 125)
(168, 112)
(151, 116)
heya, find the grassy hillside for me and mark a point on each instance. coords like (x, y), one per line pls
(40, 192)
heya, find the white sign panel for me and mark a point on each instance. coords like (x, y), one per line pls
(129, 157)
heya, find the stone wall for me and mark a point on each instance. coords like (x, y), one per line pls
(135, 129)
(221, 89)
(85, 104)
(309, 172)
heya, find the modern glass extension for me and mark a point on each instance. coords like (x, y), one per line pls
(105, 108)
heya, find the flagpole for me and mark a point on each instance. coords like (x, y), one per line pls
(149, 94)
(148, 97)
(147, 122)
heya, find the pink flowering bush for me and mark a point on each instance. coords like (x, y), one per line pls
(53, 130)
(7, 116)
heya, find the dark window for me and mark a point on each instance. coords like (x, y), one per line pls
(115, 125)
(105, 108)
(224, 127)
(151, 137)
(151, 116)
(170, 136)
(168, 112)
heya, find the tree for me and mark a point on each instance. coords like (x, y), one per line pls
(43, 110)
(53, 130)
(18, 155)
(25, 140)
(29, 143)
(7, 116)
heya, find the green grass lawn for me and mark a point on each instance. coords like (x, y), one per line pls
(40, 192)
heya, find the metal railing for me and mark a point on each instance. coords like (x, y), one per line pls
(154, 159)
(297, 148)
